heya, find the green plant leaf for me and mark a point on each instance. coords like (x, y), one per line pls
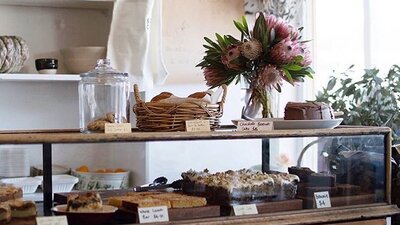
(215, 45)
(288, 76)
(331, 84)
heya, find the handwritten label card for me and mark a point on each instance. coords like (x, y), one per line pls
(117, 128)
(153, 214)
(254, 126)
(197, 125)
(248, 209)
(322, 199)
(52, 220)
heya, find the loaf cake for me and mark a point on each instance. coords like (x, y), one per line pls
(308, 111)
(241, 186)
(88, 202)
(134, 200)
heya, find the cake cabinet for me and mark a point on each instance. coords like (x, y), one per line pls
(352, 164)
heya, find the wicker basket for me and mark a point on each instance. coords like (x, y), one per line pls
(161, 116)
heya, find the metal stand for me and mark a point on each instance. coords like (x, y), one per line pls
(47, 180)
(265, 155)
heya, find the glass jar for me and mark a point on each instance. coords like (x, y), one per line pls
(103, 97)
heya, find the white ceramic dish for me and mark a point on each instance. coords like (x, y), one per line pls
(27, 184)
(281, 124)
(61, 183)
(101, 181)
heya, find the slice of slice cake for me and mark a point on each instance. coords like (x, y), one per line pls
(88, 202)
(5, 213)
(22, 209)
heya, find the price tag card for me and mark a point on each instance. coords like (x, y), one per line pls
(52, 220)
(248, 209)
(153, 214)
(117, 128)
(255, 125)
(322, 199)
(197, 125)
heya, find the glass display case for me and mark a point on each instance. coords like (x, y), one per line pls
(307, 176)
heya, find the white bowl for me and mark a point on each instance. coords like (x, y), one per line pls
(101, 181)
(82, 59)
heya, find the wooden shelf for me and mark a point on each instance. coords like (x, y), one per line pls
(17, 77)
(85, 4)
(74, 136)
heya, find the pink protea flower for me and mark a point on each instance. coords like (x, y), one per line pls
(229, 59)
(251, 49)
(284, 52)
(281, 28)
(214, 77)
(270, 76)
(302, 49)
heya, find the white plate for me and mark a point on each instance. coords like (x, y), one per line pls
(281, 124)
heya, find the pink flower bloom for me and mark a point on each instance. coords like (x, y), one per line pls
(251, 49)
(214, 77)
(284, 52)
(302, 49)
(270, 76)
(281, 28)
(229, 59)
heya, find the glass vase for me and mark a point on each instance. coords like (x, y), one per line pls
(257, 102)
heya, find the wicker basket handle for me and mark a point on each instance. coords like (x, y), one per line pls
(136, 93)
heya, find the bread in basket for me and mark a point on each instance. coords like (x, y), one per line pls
(171, 116)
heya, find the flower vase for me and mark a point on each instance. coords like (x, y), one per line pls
(257, 103)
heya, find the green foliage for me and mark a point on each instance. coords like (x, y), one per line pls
(370, 100)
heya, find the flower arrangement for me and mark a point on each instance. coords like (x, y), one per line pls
(265, 57)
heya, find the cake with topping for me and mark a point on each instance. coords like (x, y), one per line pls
(88, 202)
(308, 111)
(241, 186)
(9, 192)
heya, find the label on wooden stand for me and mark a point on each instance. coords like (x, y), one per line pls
(254, 126)
(322, 199)
(153, 214)
(197, 125)
(117, 128)
(52, 220)
(248, 209)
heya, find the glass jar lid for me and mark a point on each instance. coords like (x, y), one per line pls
(103, 68)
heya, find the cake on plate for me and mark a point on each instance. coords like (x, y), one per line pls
(88, 202)
(308, 111)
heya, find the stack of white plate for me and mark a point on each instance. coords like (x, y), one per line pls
(14, 162)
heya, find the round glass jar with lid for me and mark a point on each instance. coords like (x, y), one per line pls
(103, 98)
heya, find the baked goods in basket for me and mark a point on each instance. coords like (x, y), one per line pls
(308, 111)
(167, 112)
(88, 202)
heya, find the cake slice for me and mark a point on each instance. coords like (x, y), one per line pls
(88, 202)
(5, 213)
(22, 209)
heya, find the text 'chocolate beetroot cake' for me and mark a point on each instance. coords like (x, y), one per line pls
(308, 111)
